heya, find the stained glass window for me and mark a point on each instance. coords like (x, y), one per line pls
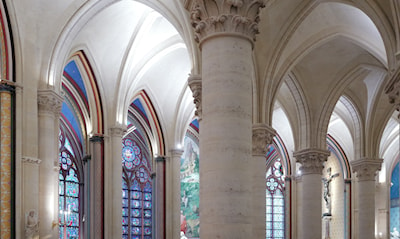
(68, 191)
(275, 200)
(395, 200)
(136, 192)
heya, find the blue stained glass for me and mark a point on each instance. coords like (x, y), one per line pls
(135, 230)
(275, 202)
(72, 232)
(147, 205)
(124, 220)
(136, 212)
(61, 188)
(147, 231)
(125, 237)
(72, 189)
(135, 203)
(135, 222)
(137, 179)
(73, 204)
(147, 213)
(136, 195)
(147, 196)
(72, 176)
(124, 230)
(147, 222)
(125, 202)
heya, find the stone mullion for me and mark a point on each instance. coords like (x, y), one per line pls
(6, 94)
(366, 170)
(312, 162)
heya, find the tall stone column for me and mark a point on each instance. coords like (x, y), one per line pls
(96, 219)
(226, 30)
(159, 197)
(312, 161)
(366, 171)
(262, 136)
(173, 193)
(115, 184)
(49, 112)
(6, 159)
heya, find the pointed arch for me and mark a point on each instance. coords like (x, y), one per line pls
(146, 112)
(7, 53)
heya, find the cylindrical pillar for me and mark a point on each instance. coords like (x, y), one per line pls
(366, 171)
(115, 184)
(159, 198)
(226, 31)
(262, 137)
(312, 161)
(6, 161)
(97, 188)
(49, 110)
(174, 191)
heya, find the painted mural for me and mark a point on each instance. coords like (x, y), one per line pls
(189, 173)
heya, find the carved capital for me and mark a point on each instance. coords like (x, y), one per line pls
(262, 136)
(49, 102)
(176, 153)
(366, 168)
(96, 139)
(194, 82)
(238, 17)
(393, 90)
(312, 160)
(118, 131)
(7, 86)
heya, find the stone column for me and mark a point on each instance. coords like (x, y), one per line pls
(115, 173)
(366, 171)
(49, 112)
(173, 194)
(262, 136)
(96, 219)
(312, 161)
(6, 159)
(225, 31)
(159, 198)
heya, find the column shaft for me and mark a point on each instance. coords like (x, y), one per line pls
(97, 188)
(312, 161)
(366, 171)
(6, 180)
(49, 110)
(225, 183)
(173, 196)
(159, 196)
(116, 182)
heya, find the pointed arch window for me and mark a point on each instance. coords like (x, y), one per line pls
(275, 200)
(136, 192)
(69, 191)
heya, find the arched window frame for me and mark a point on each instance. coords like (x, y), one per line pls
(70, 173)
(275, 197)
(137, 191)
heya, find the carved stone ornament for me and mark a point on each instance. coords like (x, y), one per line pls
(49, 102)
(393, 91)
(210, 17)
(194, 82)
(118, 131)
(312, 160)
(366, 169)
(31, 160)
(262, 136)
